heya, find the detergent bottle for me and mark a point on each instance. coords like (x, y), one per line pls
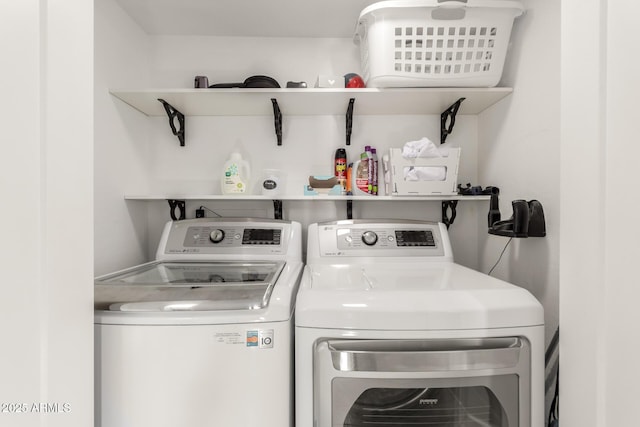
(360, 176)
(235, 175)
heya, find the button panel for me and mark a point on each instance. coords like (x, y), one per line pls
(261, 236)
(201, 237)
(380, 240)
(415, 238)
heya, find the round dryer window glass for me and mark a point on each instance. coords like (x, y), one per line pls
(454, 406)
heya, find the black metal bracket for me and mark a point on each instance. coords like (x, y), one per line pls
(349, 209)
(349, 123)
(277, 209)
(448, 116)
(173, 114)
(177, 204)
(277, 120)
(449, 205)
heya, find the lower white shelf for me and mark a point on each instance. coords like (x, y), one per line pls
(303, 198)
(177, 202)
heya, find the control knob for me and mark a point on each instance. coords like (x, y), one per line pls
(369, 238)
(216, 236)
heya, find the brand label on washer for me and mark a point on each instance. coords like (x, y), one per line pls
(260, 338)
(232, 338)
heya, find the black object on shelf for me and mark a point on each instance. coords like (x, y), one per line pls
(250, 82)
(174, 114)
(297, 85)
(449, 116)
(527, 220)
(201, 82)
(477, 190)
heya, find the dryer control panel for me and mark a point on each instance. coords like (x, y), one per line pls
(380, 239)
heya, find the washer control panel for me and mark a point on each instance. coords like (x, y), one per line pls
(213, 237)
(367, 238)
(231, 236)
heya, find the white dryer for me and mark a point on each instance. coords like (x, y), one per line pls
(203, 336)
(391, 332)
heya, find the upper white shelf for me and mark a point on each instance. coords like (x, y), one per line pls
(311, 102)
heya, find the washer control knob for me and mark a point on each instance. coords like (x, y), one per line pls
(369, 238)
(216, 236)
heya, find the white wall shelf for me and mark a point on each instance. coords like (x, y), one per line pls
(177, 202)
(304, 198)
(311, 101)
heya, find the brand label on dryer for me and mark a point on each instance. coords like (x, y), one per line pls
(260, 338)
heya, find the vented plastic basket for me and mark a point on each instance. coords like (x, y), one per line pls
(435, 43)
(400, 186)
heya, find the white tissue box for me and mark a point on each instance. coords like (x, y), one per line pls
(399, 166)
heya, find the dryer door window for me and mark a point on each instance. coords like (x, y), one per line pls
(475, 406)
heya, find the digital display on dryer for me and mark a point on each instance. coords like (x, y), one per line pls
(415, 238)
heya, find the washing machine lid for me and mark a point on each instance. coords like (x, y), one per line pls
(188, 286)
(411, 296)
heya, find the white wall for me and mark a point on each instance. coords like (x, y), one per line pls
(599, 292)
(622, 293)
(121, 157)
(46, 185)
(519, 151)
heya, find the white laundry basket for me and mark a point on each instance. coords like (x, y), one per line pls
(435, 43)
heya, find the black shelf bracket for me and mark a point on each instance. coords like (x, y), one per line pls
(448, 120)
(173, 115)
(277, 209)
(180, 206)
(349, 123)
(449, 206)
(349, 209)
(277, 120)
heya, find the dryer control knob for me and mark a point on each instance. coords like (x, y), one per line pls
(369, 238)
(216, 236)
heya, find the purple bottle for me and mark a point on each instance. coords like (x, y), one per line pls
(367, 150)
(374, 171)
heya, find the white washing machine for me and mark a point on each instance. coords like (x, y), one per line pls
(391, 332)
(203, 336)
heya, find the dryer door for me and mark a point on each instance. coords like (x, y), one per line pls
(457, 382)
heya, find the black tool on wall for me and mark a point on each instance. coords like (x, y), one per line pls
(527, 219)
(494, 209)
